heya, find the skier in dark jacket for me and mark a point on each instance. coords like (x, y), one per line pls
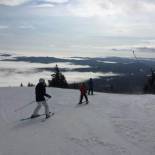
(83, 91)
(40, 92)
(91, 86)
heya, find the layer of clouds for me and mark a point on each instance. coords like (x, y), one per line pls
(37, 2)
(13, 2)
(76, 25)
(86, 8)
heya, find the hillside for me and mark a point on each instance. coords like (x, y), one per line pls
(112, 124)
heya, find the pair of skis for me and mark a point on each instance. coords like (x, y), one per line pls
(51, 114)
(44, 119)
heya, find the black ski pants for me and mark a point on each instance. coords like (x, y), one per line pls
(90, 91)
(81, 97)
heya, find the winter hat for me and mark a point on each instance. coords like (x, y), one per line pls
(41, 80)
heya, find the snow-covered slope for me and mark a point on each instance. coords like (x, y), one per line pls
(111, 124)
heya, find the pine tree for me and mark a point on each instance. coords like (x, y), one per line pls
(150, 85)
(58, 79)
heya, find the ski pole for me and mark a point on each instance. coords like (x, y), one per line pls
(24, 106)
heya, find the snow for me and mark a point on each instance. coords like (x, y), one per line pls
(111, 124)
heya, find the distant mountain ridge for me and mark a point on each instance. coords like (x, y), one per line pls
(131, 74)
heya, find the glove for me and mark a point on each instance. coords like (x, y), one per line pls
(47, 95)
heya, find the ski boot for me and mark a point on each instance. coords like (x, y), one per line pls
(34, 116)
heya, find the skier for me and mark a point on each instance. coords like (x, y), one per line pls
(91, 86)
(152, 77)
(40, 92)
(83, 91)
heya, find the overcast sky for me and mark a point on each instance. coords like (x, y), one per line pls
(70, 26)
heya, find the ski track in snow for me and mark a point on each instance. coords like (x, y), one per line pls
(111, 124)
